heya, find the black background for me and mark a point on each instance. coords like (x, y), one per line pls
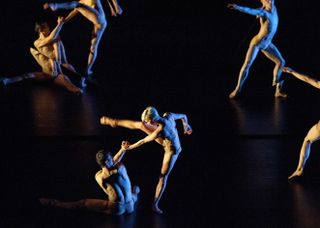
(180, 56)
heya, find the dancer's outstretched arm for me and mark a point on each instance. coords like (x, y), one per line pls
(255, 12)
(53, 35)
(302, 77)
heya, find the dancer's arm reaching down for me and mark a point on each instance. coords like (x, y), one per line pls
(302, 77)
(255, 12)
(52, 36)
(177, 116)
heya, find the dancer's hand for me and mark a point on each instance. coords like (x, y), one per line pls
(60, 20)
(187, 129)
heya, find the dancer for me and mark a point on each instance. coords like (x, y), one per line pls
(312, 136)
(50, 55)
(93, 11)
(113, 180)
(268, 17)
(162, 130)
(302, 77)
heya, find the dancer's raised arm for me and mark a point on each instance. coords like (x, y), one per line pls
(118, 157)
(54, 34)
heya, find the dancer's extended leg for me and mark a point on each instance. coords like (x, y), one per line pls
(250, 57)
(274, 55)
(312, 136)
(169, 160)
(97, 34)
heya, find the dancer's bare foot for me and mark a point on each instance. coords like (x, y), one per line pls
(89, 72)
(52, 6)
(76, 91)
(274, 82)
(136, 189)
(234, 93)
(156, 209)
(119, 10)
(278, 94)
(105, 120)
(83, 82)
(296, 173)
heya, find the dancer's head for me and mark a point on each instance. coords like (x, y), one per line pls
(42, 27)
(267, 2)
(104, 158)
(149, 115)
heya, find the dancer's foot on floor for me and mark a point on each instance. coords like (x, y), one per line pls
(83, 82)
(3, 82)
(119, 11)
(156, 209)
(295, 174)
(234, 94)
(136, 189)
(280, 95)
(76, 91)
(89, 73)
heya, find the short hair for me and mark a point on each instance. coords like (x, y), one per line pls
(101, 157)
(38, 25)
(150, 113)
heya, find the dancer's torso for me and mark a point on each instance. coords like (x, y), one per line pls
(47, 50)
(169, 137)
(268, 28)
(91, 3)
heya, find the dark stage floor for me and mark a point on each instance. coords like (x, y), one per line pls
(232, 171)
